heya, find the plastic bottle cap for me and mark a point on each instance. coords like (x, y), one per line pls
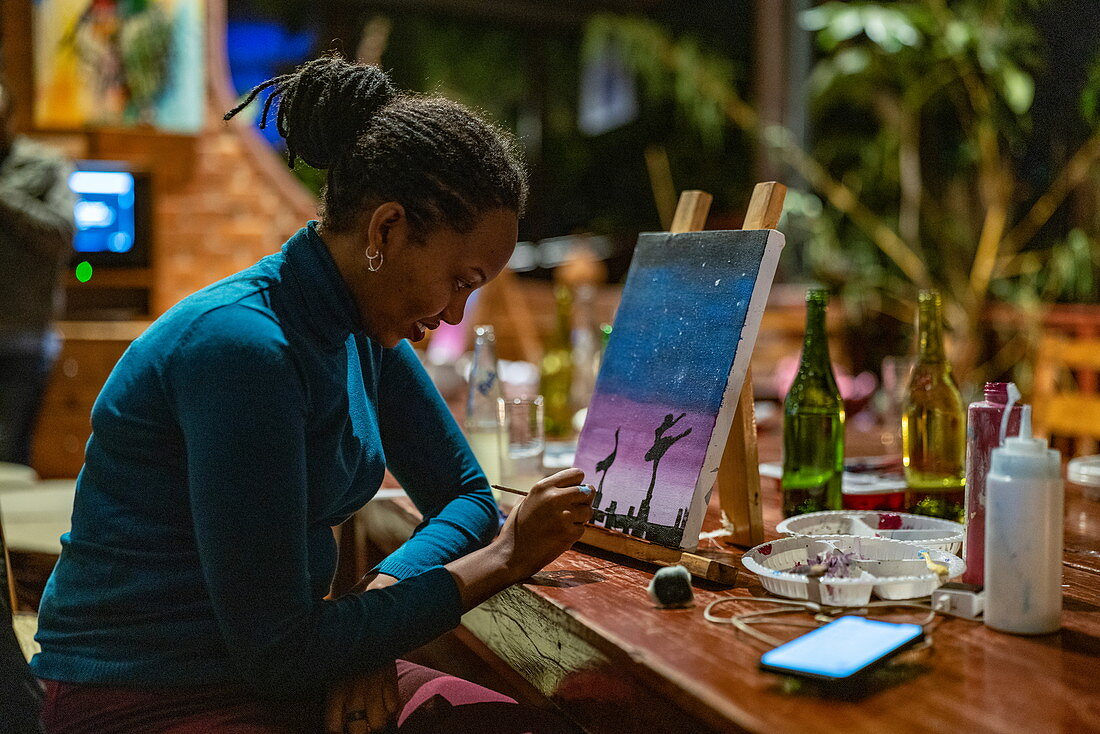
(1013, 396)
(1023, 455)
(1023, 443)
(1018, 445)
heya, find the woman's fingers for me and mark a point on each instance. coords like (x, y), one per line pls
(568, 496)
(369, 697)
(578, 511)
(334, 710)
(389, 693)
(363, 704)
(576, 517)
(583, 495)
(565, 478)
(357, 725)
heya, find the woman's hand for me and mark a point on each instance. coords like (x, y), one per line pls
(369, 699)
(541, 527)
(373, 581)
(365, 703)
(546, 522)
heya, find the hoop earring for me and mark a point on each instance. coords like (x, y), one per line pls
(374, 262)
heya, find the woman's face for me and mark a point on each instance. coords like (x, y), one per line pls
(421, 283)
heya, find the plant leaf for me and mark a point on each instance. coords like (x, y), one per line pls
(1018, 88)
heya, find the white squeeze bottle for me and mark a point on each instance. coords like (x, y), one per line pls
(1023, 536)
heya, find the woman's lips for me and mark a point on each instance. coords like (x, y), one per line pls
(420, 329)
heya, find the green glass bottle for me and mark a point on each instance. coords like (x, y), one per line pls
(933, 423)
(813, 423)
(557, 370)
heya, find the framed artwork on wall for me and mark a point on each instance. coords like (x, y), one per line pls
(119, 63)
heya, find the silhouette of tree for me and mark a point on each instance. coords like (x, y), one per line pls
(603, 465)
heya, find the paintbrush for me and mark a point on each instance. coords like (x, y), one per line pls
(522, 493)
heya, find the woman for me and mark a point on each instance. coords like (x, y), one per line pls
(263, 410)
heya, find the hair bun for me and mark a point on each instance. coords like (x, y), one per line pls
(327, 104)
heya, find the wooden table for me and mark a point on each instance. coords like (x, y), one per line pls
(585, 634)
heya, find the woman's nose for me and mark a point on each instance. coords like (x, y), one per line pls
(455, 310)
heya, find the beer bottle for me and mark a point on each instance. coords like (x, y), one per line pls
(933, 423)
(813, 423)
(557, 370)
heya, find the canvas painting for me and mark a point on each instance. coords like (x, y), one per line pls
(671, 377)
(119, 63)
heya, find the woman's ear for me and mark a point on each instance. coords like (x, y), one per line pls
(387, 228)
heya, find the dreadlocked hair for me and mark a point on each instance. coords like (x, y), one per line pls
(441, 161)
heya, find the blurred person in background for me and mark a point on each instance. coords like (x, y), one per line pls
(36, 232)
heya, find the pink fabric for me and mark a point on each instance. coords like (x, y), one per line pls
(455, 691)
(433, 703)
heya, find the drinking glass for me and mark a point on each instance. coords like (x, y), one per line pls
(522, 418)
(894, 387)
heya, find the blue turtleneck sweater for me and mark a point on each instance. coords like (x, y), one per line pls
(229, 439)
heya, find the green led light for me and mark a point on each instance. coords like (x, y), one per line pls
(84, 272)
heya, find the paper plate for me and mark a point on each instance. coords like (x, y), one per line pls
(927, 532)
(773, 561)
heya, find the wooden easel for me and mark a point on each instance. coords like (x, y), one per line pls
(738, 480)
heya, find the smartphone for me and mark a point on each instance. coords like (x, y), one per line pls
(841, 649)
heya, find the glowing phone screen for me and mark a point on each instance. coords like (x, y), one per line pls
(840, 648)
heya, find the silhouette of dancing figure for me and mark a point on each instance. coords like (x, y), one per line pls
(603, 465)
(661, 444)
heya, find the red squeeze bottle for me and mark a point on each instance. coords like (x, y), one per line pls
(983, 434)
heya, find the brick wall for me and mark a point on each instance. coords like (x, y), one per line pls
(232, 210)
(238, 202)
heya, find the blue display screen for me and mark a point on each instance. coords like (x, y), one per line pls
(104, 211)
(841, 648)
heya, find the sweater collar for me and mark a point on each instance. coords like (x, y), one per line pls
(332, 313)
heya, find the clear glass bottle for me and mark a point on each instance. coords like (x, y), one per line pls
(933, 423)
(813, 423)
(484, 428)
(587, 346)
(557, 370)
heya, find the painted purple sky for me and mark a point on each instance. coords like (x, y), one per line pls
(628, 478)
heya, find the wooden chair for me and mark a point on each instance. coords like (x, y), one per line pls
(1065, 395)
(20, 693)
(24, 623)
